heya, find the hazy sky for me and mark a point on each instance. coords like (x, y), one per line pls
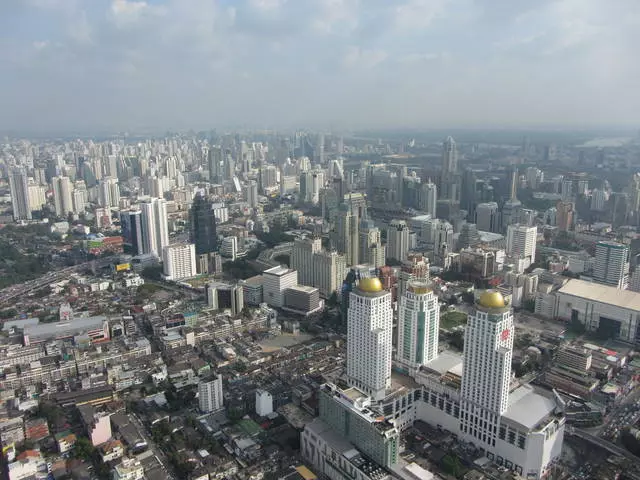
(123, 64)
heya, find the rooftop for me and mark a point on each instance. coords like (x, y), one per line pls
(528, 408)
(278, 271)
(446, 362)
(602, 293)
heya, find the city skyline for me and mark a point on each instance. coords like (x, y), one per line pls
(157, 65)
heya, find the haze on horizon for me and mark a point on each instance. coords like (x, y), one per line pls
(330, 64)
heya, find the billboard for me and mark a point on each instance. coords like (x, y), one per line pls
(123, 266)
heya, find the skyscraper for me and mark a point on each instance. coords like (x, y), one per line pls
(468, 192)
(302, 255)
(155, 231)
(564, 216)
(415, 267)
(251, 193)
(488, 345)
(202, 225)
(398, 240)
(612, 264)
(418, 326)
(62, 196)
(346, 237)
(371, 250)
(132, 231)
(329, 269)
(429, 198)
(18, 185)
(369, 332)
(511, 208)
(488, 217)
(448, 175)
(215, 164)
(179, 261)
(521, 245)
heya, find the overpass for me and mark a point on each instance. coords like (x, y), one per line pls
(602, 443)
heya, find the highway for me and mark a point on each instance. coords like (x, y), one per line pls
(16, 291)
(607, 445)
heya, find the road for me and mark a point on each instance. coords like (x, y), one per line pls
(15, 291)
(160, 456)
(611, 447)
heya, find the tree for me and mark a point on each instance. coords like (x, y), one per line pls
(332, 301)
(451, 464)
(153, 273)
(83, 448)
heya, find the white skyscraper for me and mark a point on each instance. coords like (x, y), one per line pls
(330, 269)
(521, 245)
(108, 192)
(398, 240)
(598, 199)
(62, 197)
(210, 397)
(488, 345)
(37, 195)
(371, 250)
(612, 264)
(369, 338)
(418, 326)
(179, 261)
(154, 226)
(302, 258)
(252, 193)
(429, 198)
(19, 194)
(346, 235)
(448, 183)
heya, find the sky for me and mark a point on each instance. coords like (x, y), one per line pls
(116, 65)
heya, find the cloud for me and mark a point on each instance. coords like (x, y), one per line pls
(356, 57)
(128, 64)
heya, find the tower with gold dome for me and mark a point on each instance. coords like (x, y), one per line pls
(369, 338)
(488, 345)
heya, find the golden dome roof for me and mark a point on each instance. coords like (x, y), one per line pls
(492, 299)
(370, 285)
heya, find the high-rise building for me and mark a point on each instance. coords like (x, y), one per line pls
(276, 281)
(202, 225)
(329, 271)
(521, 245)
(371, 250)
(511, 208)
(62, 198)
(19, 186)
(346, 234)
(210, 397)
(215, 164)
(132, 231)
(398, 240)
(37, 195)
(302, 255)
(448, 176)
(469, 192)
(488, 346)
(179, 261)
(599, 199)
(429, 198)
(108, 192)
(611, 265)
(155, 230)
(469, 236)
(564, 216)
(251, 193)
(418, 326)
(415, 267)
(369, 333)
(229, 247)
(488, 217)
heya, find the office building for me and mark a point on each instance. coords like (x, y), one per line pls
(369, 332)
(488, 217)
(599, 199)
(276, 281)
(634, 284)
(346, 234)
(330, 269)
(237, 299)
(19, 187)
(154, 226)
(398, 240)
(371, 250)
(179, 261)
(612, 264)
(448, 175)
(210, 397)
(202, 225)
(251, 193)
(302, 255)
(521, 245)
(229, 247)
(302, 300)
(108, 192)
(415, 267)
(429, 198)
(418, 326)
(132, 231)
(215, 164)
(62, 198)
